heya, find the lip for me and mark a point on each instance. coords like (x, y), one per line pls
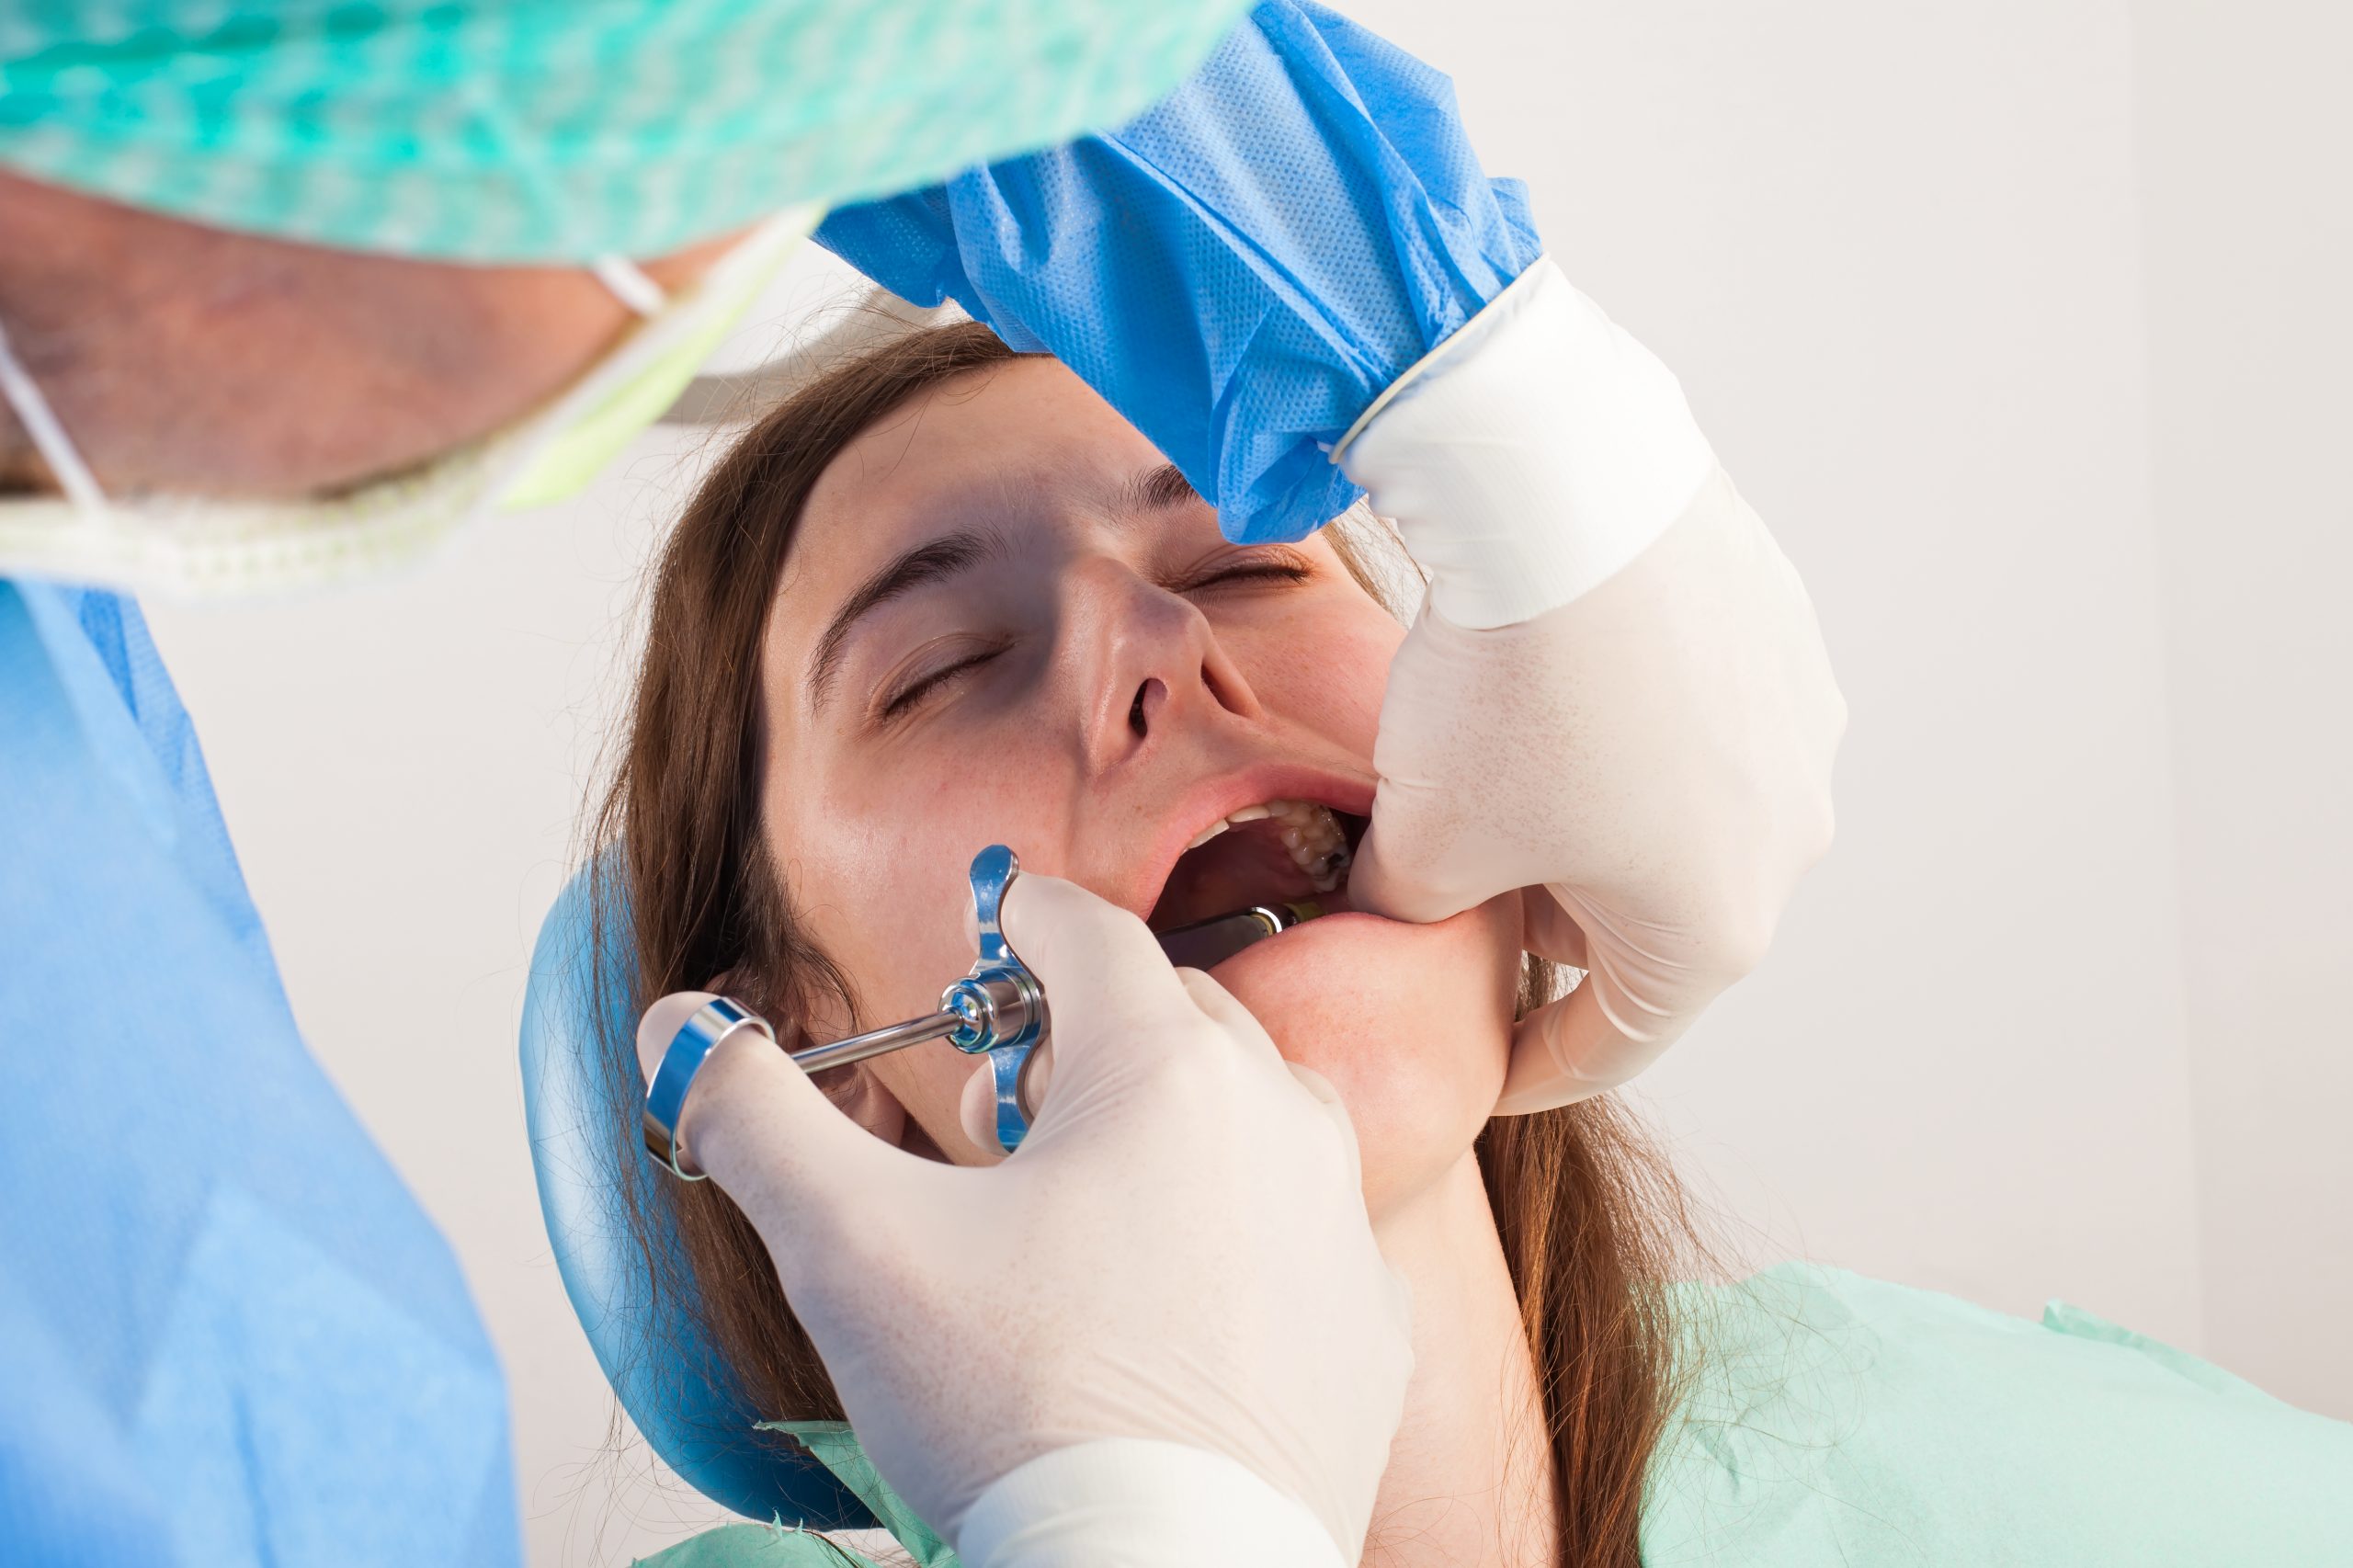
(1223, 794)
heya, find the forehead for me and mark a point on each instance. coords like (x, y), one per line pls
(1023, 438)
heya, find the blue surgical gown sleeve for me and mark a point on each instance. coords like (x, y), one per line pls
(228, 1334)
(1242, 270)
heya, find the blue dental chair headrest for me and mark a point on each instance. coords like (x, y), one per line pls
(670, 1379)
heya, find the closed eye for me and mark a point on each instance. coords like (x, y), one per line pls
(1265, 565)
(1283, 566)
(908, 696)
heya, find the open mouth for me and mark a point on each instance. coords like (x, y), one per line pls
(1273, 854)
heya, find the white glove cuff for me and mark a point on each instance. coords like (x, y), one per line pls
(1140, 1502)
(1530, 456)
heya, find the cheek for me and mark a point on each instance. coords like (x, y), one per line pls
(879, 863)
(1330, 671)
(928, 1081)
(1411, 1024)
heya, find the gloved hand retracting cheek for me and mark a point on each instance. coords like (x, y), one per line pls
(1616, 698)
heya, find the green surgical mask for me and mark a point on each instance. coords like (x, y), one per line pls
(189, 547)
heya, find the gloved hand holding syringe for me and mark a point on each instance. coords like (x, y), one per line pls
(998, 1010)
(1170, 1117)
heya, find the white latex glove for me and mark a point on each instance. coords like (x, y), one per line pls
(1160, 1333)
(1616, 698)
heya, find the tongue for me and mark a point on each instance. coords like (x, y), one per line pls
(1240, 866)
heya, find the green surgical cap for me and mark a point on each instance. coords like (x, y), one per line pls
(557, 131)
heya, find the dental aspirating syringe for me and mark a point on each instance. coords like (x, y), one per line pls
(998, 1008)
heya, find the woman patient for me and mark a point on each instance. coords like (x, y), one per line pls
(947, 598)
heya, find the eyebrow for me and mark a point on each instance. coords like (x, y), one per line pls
(925, 564)
(1159, 488)
(1153, 490)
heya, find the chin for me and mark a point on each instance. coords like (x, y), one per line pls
(1411, 1025)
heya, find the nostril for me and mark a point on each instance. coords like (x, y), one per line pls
(1135, 709)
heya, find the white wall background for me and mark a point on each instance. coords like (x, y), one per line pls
(2025, 325)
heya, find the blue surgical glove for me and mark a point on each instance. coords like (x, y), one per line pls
(1242, 270)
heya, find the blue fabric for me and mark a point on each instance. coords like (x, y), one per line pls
(1242, 270)
(227, 1332)
(580, 1096)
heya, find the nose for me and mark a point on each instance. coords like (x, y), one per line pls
(1154, 665)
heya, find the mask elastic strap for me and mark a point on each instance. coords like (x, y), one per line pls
(630, 286)
(56, 447)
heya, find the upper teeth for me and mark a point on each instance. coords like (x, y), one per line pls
(1310, 832)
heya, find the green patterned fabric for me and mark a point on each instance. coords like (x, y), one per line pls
(557, 131)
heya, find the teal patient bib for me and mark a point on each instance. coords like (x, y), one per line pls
(1835, 1420)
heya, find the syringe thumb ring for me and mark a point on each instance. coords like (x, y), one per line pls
(665, 1097)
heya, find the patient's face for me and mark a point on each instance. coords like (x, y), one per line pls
(1079, 665)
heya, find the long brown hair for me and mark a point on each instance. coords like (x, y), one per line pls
(1591, 1220)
